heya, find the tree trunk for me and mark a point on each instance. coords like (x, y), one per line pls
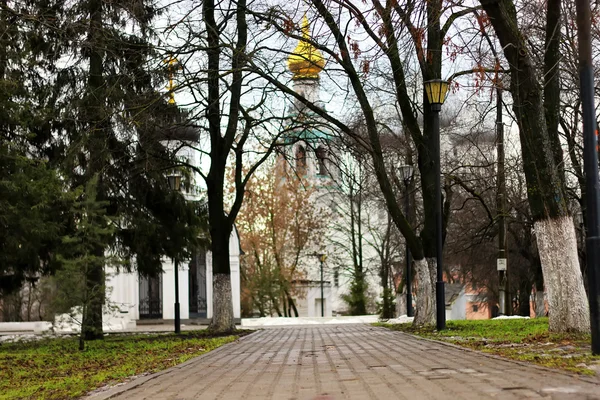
(286, 308)
(425, 307)
(540, 305)
(94, 107)
(567, 301)
(81, 338)
(222, 320)
(91, 326)
(292, 304)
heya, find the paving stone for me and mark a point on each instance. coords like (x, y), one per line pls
(350, 362)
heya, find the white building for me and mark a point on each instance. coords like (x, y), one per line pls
(153, 298)
(144, 298)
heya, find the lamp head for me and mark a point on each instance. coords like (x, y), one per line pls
(174, 182)
(406, 173)
(437, 90)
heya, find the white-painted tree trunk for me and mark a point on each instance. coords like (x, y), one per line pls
(425, 304)
(567, 301)
(222, 320)
(432, 265)
(540, 307)
(401, 303)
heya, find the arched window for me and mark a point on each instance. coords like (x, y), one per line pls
(301, 160)
(321, 154)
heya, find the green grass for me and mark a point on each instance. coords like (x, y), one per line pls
(55, 369)
(518, 339)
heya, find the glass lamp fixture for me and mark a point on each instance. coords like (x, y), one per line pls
(406, 173)
(436, 90)
(174, 182)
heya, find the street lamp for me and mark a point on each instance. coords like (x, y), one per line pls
(590, 158)
(175, 184)
(406, 173)
(436, 91)
(322, 258)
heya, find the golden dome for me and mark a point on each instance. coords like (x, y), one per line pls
(306, 61)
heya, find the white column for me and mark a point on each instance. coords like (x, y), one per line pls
(168, 290)
(184, 289)
(235, 286)
(209, 285)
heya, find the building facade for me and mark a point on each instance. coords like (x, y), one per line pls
(153, 298)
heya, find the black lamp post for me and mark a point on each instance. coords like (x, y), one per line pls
(175, 184)
(590, 158)
(406, 173)
(436, 91)
(322, 258)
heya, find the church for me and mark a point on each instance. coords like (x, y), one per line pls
(314, 151)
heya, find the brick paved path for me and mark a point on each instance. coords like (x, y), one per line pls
(350, 362)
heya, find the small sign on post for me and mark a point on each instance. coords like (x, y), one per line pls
(501, 264)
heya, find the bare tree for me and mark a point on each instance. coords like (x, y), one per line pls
(239, 115)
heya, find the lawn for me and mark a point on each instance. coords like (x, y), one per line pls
(518, 339)
(55, 369)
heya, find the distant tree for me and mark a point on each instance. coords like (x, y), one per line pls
(351, 194)
(280, 223)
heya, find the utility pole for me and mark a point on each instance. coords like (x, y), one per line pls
(501, 210)
(590, 158)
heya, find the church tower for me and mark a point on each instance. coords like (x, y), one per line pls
(309, 151)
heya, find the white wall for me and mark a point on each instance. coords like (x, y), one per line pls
(123, 290)
(314, 293)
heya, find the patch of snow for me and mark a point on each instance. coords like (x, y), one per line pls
(283, 321)
(112, 321)
(35, 326)
(563, 389)
(403, 319)
(511, 317)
